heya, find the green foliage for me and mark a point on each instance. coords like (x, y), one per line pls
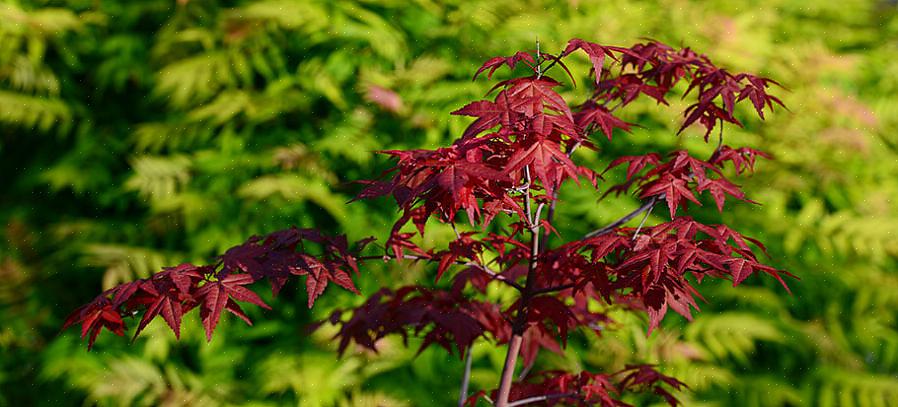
(139, 134)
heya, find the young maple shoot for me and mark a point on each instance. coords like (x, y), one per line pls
(511, 162)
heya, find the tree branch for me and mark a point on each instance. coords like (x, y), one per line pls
(537, 399)
(498, 277)
(555, 60)
(463, 393)
(642, 222)
(553, 289)
(613, 225)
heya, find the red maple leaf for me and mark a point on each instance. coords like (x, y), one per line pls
(214, 296)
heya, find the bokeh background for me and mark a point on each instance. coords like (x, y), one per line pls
(137, 134)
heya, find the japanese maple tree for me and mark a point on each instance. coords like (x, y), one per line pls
(510, 164)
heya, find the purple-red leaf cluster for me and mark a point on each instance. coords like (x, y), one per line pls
(175, 291)
(554, 388)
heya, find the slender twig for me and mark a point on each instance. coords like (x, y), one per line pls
(527, 204)
(720, 136)
(646, 206)
(553, 289)
(613, 108)
(524, 372)
(482, 265)
(386, 257)
(539, 71)
(501, 278)
(719, 140)
(555, 60)
(642, 223)
(539, 211)
(537, 399)
(466, 379)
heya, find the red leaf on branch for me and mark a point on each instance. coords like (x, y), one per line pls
(214, 297)
(496, 62)
(592, 113)
(596, 53)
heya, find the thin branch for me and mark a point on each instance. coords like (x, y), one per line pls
(719, 140)
(613, 108)
(527, 204)
(539, 211)
(537, 399)
(500, 278)
(539, 71)
(642, 223)
(466, 379)
(555, 60)
(553, 289)
(525, 372)
(720, 136)
(482, 265)
(646, 206)
(454, 229)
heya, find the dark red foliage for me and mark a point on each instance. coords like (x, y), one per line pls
(447, 317)
(495, 63)
(677, 179)
(594, 114)
(510, 162)
(596, 53)
(552, 388)
(176, 290)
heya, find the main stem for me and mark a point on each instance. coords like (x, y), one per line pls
(519, 325)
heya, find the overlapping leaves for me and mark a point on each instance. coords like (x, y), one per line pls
(553, 388)
(216, 288)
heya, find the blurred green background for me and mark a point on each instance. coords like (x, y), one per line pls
(137, 134)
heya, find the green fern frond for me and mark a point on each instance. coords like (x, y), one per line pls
(24, 75)
(306, 16)
(766, 391)
(315, 379)
(195, 79)
(125, 263)
(156, 136)
(32, 112)
(844, 388)
(732, 335)
(159, 177)
(295, 188)
(349, 140)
